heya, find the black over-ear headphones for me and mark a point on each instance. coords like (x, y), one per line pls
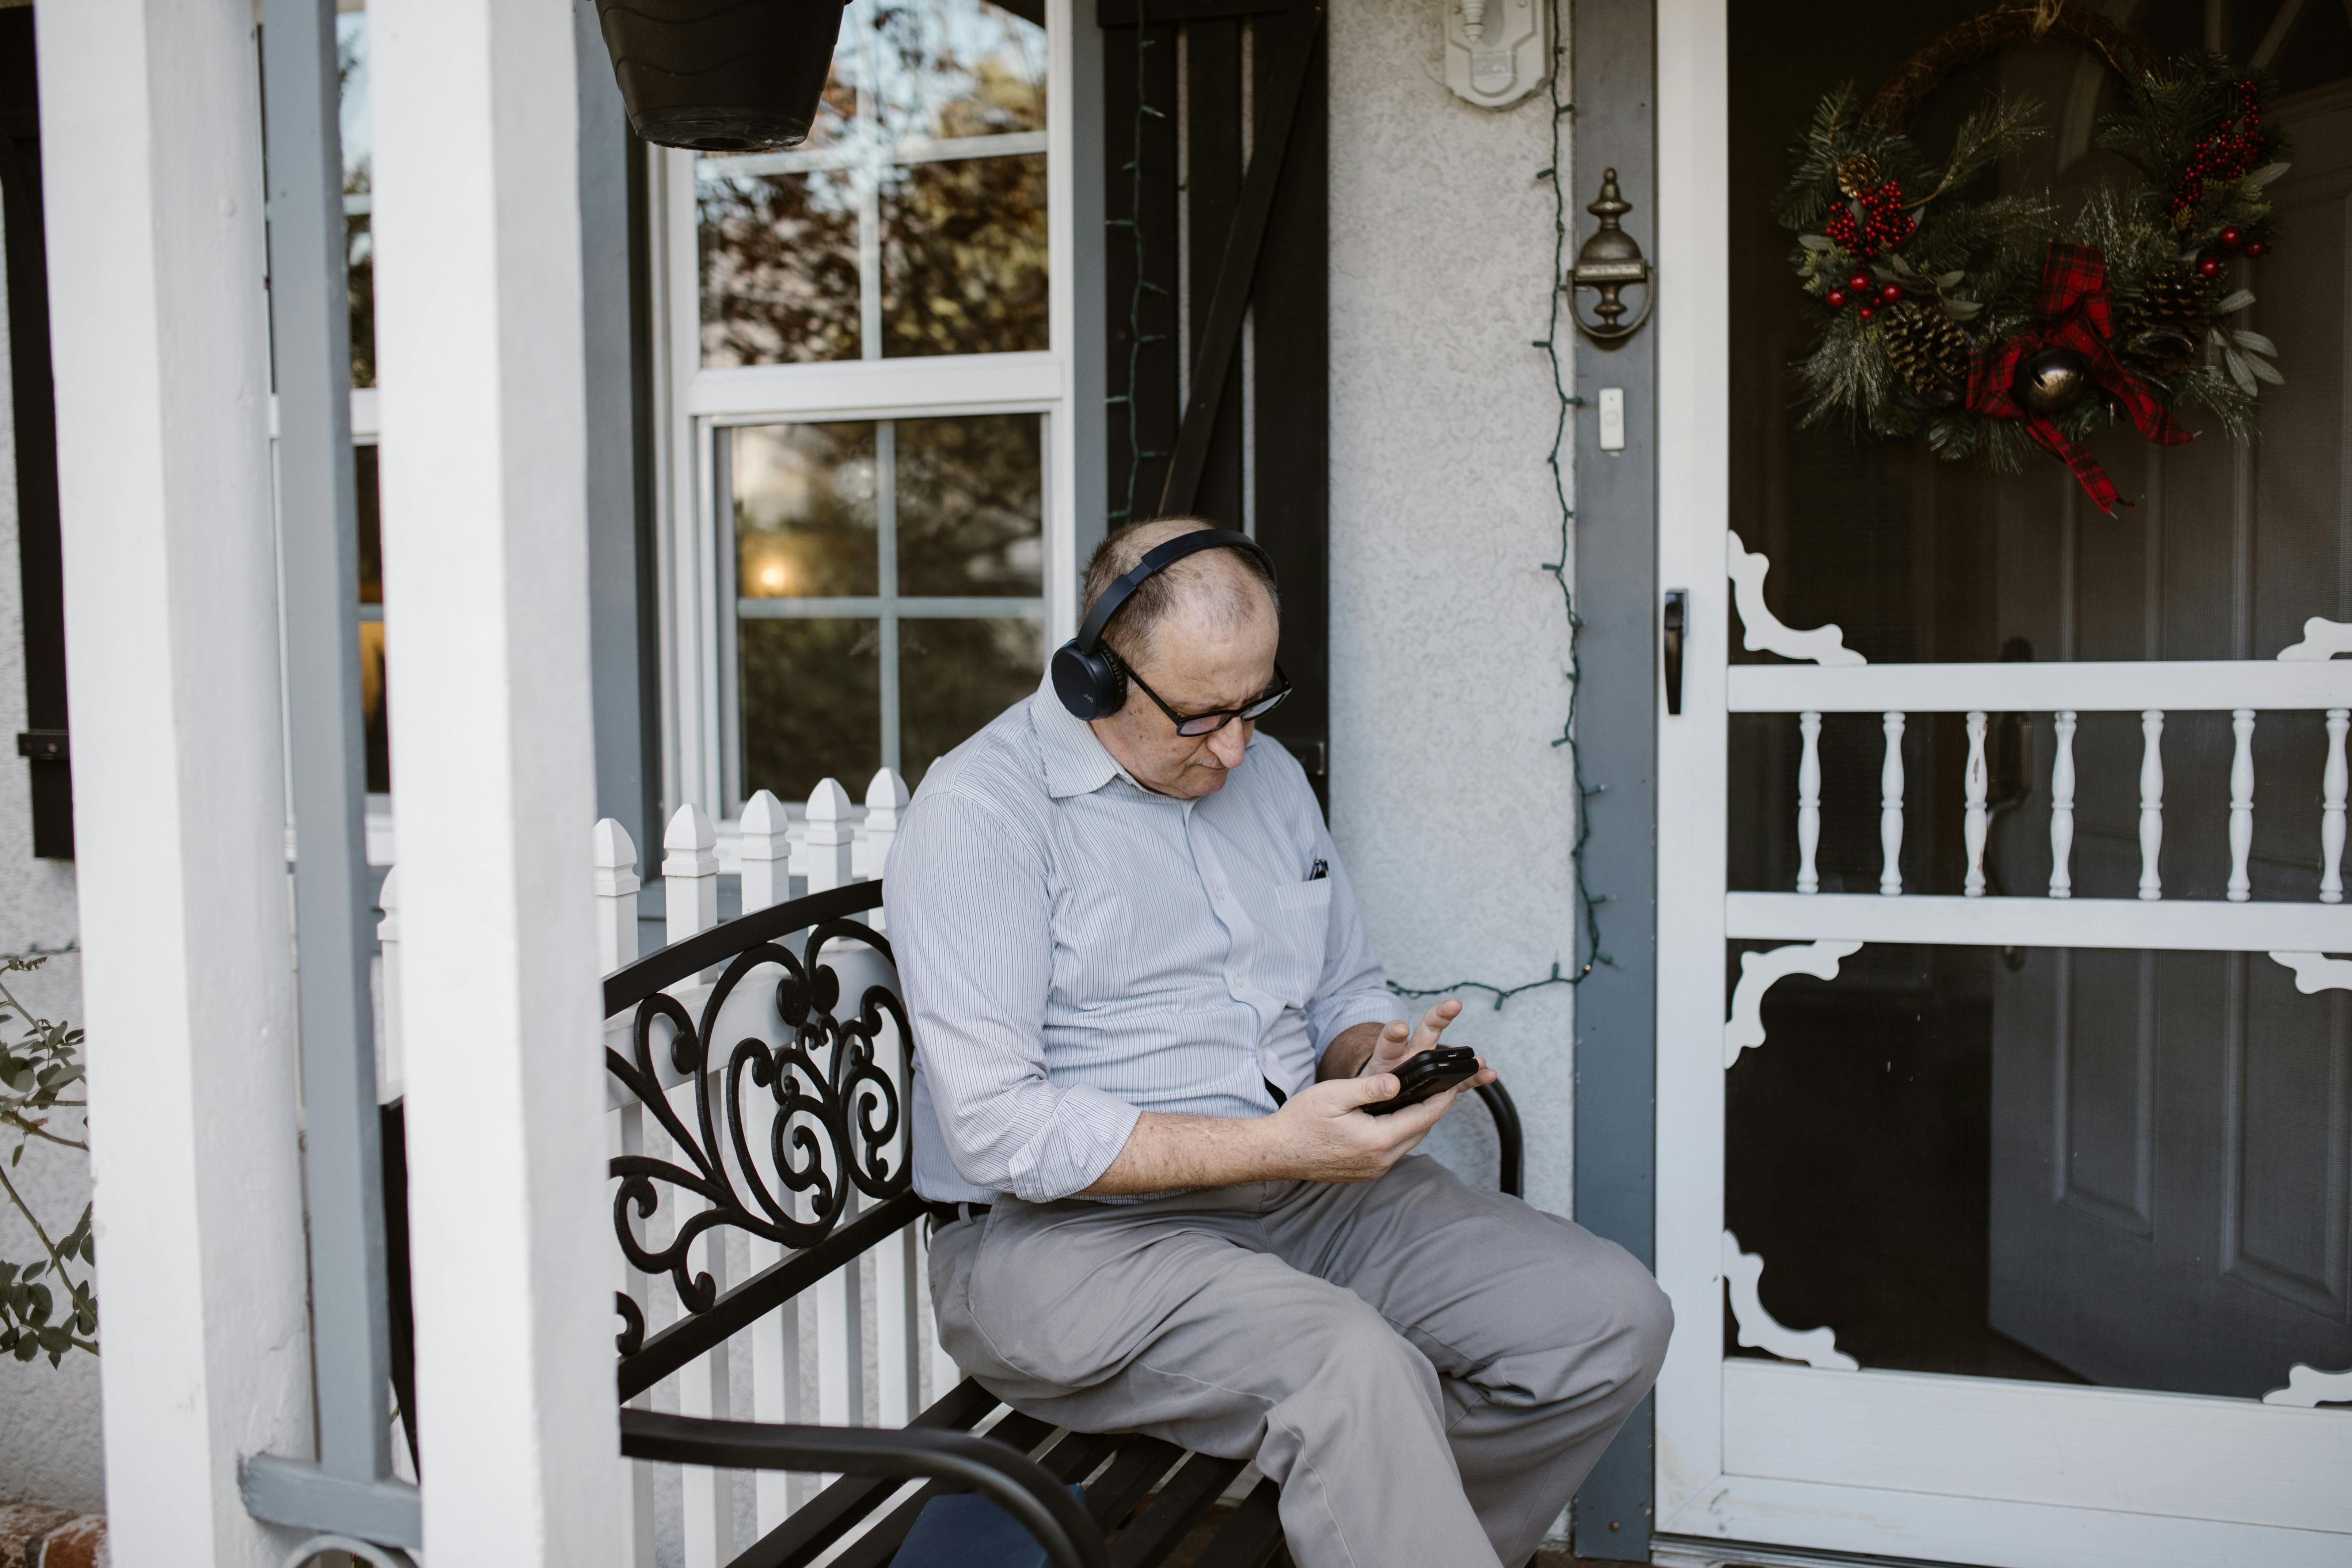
(1089, 679)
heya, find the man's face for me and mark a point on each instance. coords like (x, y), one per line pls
(1197, 665)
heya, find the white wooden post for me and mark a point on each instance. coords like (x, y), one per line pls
(767, 852)
(831, 837)
(478, 320)
(390, 1070)
(1809, 802)
(886, 797)
(2062, 810)
(2241, 804)
(2151, 802)
(1890, 807)
(1974, 823)
(689, 874)
(766, 856)
(613, 856)
(2331, 811)
(151, 171)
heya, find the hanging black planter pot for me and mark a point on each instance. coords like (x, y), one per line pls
(721, 76)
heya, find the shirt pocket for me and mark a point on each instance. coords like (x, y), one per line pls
(1300, 924)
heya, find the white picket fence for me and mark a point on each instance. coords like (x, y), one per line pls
(860, 1348)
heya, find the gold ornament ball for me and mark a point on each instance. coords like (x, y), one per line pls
(1858, 174)
(2051, 381)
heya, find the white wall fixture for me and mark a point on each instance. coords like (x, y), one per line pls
(1759, 971)
(1758, 1330)
(1496, 51)
(1760, 630)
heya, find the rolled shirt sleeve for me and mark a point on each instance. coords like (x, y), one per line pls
(969, 898)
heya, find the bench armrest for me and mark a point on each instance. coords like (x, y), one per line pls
(1011, 1480)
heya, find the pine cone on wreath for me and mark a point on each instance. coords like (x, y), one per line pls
(1930, 351)
(1858, 174)
(2164, 332)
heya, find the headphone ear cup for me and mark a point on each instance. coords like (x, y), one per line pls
(1089, 684)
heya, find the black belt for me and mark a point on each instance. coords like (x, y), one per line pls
(950, 1214)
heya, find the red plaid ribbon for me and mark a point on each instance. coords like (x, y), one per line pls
(2072, 313)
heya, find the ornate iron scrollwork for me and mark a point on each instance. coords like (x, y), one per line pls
(825, 1114)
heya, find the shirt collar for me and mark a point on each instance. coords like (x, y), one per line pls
(1076, 761)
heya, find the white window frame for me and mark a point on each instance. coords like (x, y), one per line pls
(692, 403)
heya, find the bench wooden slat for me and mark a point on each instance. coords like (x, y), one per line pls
(1141, 1462)
(1188, 1494)
(879, 1544)
(1253, 1537)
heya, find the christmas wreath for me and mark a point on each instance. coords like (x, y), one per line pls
(1988, 325)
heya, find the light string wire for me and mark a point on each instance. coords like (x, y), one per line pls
(1137, 337)
(1588, 902)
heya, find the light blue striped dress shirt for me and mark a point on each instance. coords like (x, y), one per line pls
(1075, 950)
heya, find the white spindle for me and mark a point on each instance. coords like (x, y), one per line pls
(1809, 802)
(767, 852)
(886, 797)
(2331, 815)
(2241, 804)
(2152, 800)
(627, 1136)
(709, 1495)
(390, 1064)
(2062, 809)
(776, 1385)
(831, 837)
(898, 1321)
(615, 858)
(1974, 823)
(1890, 809)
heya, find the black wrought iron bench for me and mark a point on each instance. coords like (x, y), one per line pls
(825, 1101)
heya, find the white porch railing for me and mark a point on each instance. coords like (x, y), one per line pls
(860, 1348)
(2245, 688)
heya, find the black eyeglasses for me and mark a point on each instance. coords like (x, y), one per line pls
(1209, 723)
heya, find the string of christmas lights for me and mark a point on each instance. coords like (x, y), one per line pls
(1588, 902)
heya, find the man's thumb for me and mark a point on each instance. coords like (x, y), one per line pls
(1372, 1090)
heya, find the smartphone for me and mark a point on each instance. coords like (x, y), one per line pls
(1430, 1072)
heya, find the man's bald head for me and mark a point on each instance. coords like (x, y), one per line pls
(1222, 587)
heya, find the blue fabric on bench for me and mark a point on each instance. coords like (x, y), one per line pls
(965, 1530)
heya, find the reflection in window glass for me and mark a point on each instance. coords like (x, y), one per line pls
(957, 675)
(352, 74)
(969, 505)
(812, 704)
(887, 595)
(805, 510)
(913, 220)
(780, 277)
(963, 258)
(376, 725)
(944, 67)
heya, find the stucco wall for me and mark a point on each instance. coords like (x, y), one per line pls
(49, 1449)
(1453, 807)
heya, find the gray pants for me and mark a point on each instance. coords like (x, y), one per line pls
(1428, 1371)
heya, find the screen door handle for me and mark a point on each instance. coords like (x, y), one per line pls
(1677, 605)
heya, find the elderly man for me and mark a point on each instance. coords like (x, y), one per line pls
(1148, 1022)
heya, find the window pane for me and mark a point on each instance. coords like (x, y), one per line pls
(805, 510)
(971, 506)
(963, 256)
(945, 67)
(779, 268)
(352, 75)
(954, 677)
(812, 697)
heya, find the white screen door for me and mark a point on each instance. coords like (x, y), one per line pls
(2005, 1079)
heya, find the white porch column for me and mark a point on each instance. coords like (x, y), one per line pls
(152, 167)
(486, 603)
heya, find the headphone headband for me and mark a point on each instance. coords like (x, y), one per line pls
(1155, 560)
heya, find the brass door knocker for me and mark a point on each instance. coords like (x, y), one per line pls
(1609, 263)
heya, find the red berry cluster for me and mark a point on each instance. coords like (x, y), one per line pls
(1883, 226)
(1859, 287)
(2229, 153)
(2211, 265)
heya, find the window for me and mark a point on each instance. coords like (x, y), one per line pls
(866, 432)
